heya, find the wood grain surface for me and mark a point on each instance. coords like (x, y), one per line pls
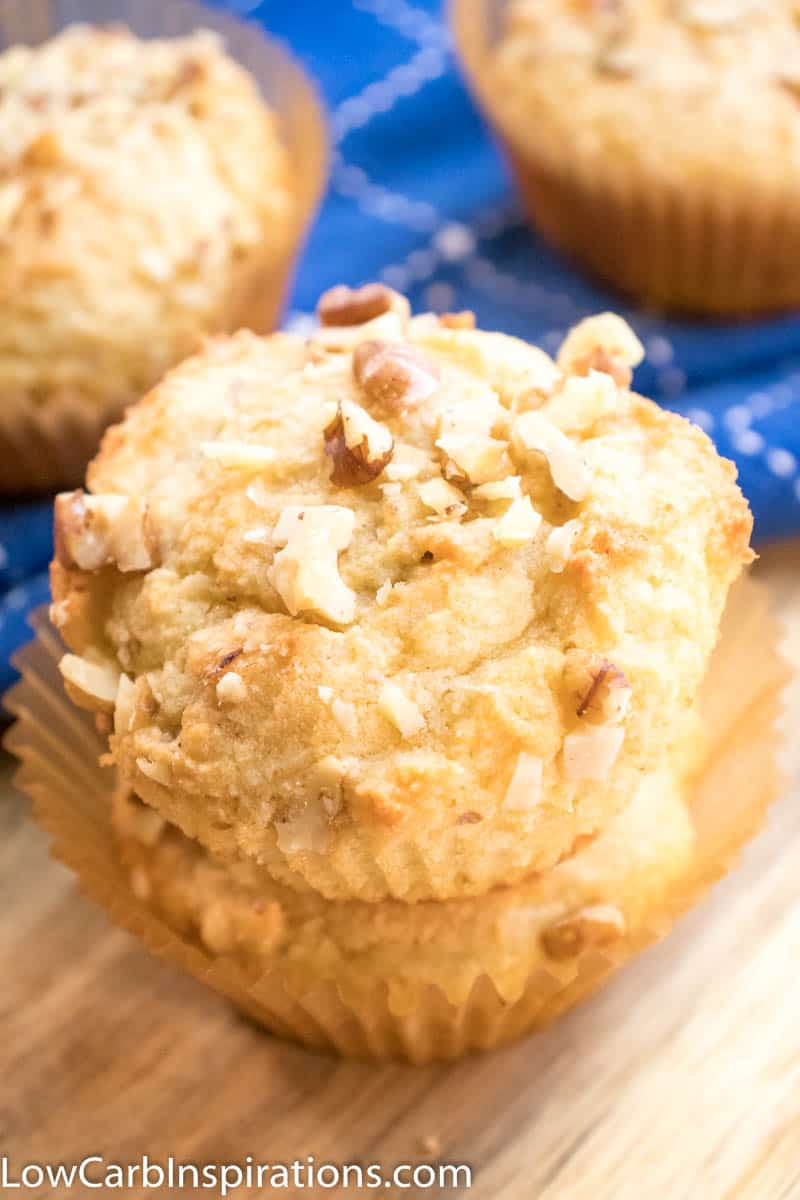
(680, 1080)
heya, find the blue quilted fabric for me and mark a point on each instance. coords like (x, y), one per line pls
(420, 198)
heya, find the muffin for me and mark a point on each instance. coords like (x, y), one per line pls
(403, 610)
(513, 955)
(657, 141)
(146, 199)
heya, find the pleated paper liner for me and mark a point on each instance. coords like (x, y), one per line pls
(58, 749)
(46, 441)
(683, 248)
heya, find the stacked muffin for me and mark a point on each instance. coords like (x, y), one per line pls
(397, 633)
(146, 199)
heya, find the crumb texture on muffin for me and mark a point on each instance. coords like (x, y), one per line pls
(694, 92)
(610, 890)
(144, 188)
(404, 609)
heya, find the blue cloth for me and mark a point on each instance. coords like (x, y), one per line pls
(420, 198)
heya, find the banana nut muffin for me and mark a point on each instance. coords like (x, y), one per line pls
(404, 609)
(145, 199)
(610, 895)
(657, 140)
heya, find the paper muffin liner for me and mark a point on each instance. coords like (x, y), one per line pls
(679, 247)
(58, 749)
(46, 441)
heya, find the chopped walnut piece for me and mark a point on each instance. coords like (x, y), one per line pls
(594, 925)
(407, 463)
(308, 827)
(524, 790)
(239, 456)
(398, 708)
(358, 446)
(92, 532)
(518, 525)
(590, 752)
(343, 306)
(532, 431)
(498, 490)
(392, 376)
(469, 818)
(559, 545)
(442, 498)
(388, 327)
(473, 457)
(124, 706)
(458, 320)
(603, 343)
(583, 401)
(597, 689)
(231, 688)
(305, 573)
(90, 684)
(159, 772)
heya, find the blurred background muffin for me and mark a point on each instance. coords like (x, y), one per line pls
(146, 198)
(657, 141)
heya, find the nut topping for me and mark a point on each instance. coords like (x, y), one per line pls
(473, 457)
(602, 343)
(590, 752)
(92, 532)
(442, 498)
(458, 320)
(594, 925)
(559, 545)
(394, 376)
(355, 306)
(597, 688)
(398, 708)
(525, 787)
(358, 446)
(89, 684)
(305, 573)
(532, 431)
(518, 525)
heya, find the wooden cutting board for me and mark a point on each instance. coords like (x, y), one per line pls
(680, 1080)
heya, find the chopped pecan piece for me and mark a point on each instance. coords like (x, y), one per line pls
(594, 925)
(92, 532)
(597, 688)
(394, 376)
(355, 306)
(358, 446)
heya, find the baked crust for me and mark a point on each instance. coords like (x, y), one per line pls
(436, 680)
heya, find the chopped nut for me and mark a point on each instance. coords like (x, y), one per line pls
(398, 708)
(525, 788)
(383, 593)
(157, 771)
(518, 524)
(89, 684)
(407, 463)
(239, 456)
(603, 343)
(509, 488)
(388, 327)
(92, 532)
(342, 711)
(358, 446)
(354, 306)
(394, 377)
(590, 752)
(306, 573)
(594, 925)
(597, 688)
(473, 457)
(308, 828)
(583, 401)
(532, 431)
(559, 545)
(469, 818)
(442, 498)
(458, 320)
(231, 689)
(124, 705)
